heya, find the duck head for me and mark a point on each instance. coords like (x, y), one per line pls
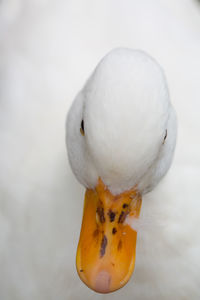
(121, 133)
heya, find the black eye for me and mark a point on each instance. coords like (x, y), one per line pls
(82, 128)
(165, 136)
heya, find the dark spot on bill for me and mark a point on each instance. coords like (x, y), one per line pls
(100, 212)
(123, 216)
(125, 205)
(114, 230)
(111, 215)
(103, 246)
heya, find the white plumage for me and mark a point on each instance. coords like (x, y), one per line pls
(130, 125)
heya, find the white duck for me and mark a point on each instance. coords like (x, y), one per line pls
(121, 135)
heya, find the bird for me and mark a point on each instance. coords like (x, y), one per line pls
(121, 135)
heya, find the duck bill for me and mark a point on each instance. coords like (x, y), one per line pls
(107, 245)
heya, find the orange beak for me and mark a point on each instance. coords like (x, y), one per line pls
(106, 250)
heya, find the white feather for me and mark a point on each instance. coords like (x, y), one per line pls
(127, 113)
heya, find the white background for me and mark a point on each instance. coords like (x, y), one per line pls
(47, 51)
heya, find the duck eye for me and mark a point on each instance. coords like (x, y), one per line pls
(165, 136)
(82, 128)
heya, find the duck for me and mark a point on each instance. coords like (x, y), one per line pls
(121, 134)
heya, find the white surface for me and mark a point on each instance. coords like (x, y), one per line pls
(48, 49)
